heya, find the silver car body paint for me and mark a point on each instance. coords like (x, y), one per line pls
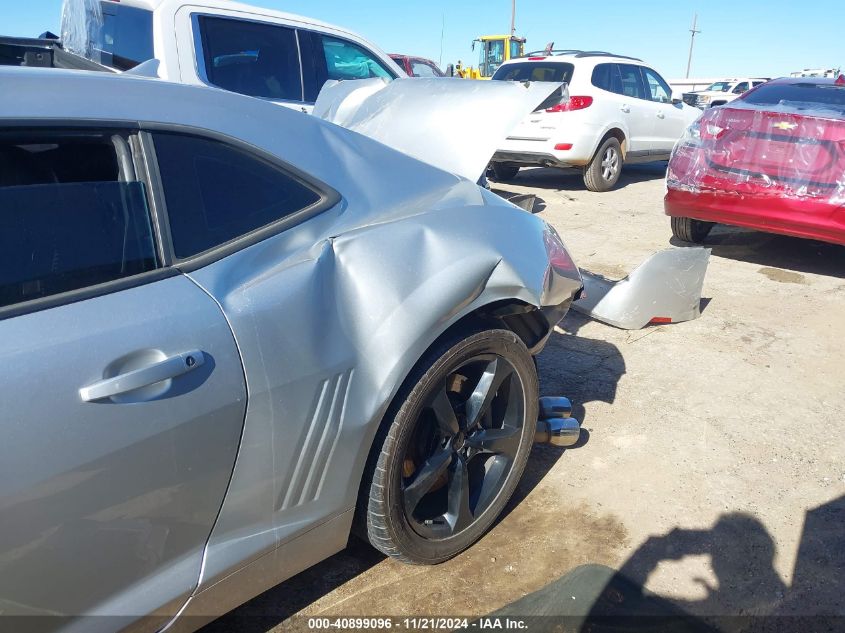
(105, 507)
(328, 316)
(666, 286)
(453, 124)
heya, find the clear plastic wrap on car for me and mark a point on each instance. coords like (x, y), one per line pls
(787, 151)
(82, 21)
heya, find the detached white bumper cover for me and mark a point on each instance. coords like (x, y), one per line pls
(454, 124)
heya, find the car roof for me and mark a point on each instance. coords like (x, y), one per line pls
(568, 56)
(230, 5)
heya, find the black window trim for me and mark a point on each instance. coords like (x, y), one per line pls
(199, 53)
(328, 197)
(107, 287)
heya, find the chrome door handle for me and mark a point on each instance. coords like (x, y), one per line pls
(137, 378)
(625, 108)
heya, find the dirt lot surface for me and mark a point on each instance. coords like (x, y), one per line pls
(712, 468)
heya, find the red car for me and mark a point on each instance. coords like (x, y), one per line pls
(417, 66)
(772, 160)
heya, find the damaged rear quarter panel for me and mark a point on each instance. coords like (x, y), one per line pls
(330, 316)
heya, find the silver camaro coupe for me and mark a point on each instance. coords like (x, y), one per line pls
(230, 332)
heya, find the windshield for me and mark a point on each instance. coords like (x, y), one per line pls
(492, 55)
(719, 86)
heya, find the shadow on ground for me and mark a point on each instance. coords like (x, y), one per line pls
(775, 251)
(749, 594)
(573, 179)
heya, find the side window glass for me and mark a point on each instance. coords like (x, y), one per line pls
(632, 81)
(216, 193)
(615, 79)
(69, 219)
(251, 58)
(740, 88)
(345, 60)
(658, 89)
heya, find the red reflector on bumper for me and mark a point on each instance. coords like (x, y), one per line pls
(659, 320)
(563, 146)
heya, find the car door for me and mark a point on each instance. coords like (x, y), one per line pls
(122, 394)
(636, 109)
(670, 120)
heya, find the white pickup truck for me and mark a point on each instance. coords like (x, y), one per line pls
(258, 52)
(722, 92)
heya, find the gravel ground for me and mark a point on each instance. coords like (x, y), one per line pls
(712, 469)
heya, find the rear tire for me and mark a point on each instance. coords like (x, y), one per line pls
(503, 172)
(443, 468)
(690, 230)
(604, 169)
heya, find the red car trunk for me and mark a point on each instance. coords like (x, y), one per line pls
(779, 168)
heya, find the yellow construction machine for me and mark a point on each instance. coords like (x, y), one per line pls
(493, 51)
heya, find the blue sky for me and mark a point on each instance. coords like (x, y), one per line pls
(739, 37)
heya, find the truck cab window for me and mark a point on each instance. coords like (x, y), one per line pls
(251, 58)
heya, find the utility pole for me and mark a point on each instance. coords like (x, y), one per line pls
(692, 41)
(513, 17)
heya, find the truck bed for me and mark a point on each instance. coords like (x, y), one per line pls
(42, 52)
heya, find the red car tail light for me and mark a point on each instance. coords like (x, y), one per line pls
(559, 258)
(574, 103)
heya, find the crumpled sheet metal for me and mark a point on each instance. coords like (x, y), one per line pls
(453, 124)
(666, 288)
(790, 151)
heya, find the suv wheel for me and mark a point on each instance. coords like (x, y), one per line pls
(690, 230)
(604, 170)
(502, 172)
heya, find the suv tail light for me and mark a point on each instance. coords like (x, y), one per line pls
(574, 103)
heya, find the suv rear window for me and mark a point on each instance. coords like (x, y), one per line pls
(799, 95)
(535, 71)
(126, 36)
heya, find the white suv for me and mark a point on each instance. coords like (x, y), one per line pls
(619, 111)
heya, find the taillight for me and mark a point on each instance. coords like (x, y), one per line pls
(559, 258)
(574, 103)
(535, 59)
